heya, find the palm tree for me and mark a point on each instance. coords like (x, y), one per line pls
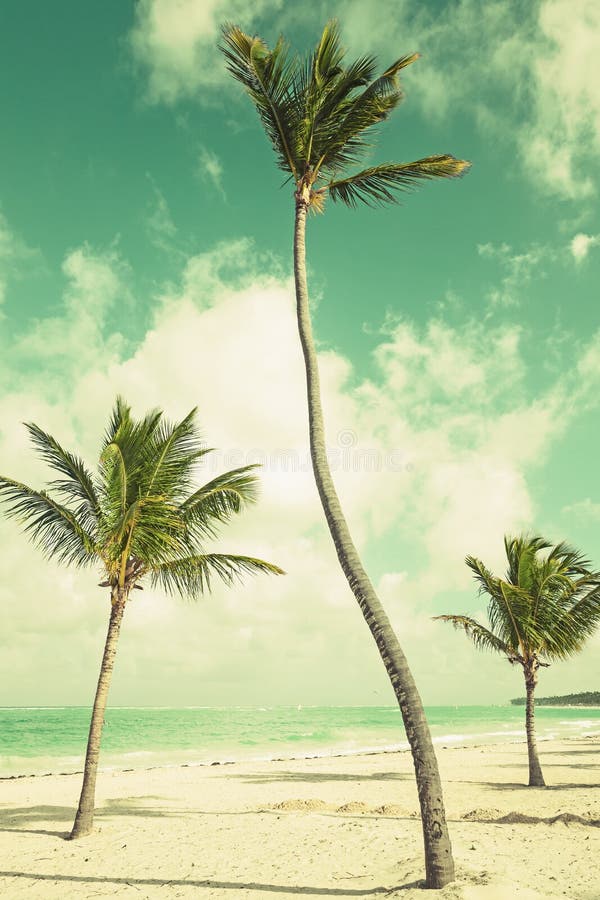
(138, 518)
(319, 115)
(544, 609)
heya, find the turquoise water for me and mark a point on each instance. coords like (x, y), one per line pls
(43, 740)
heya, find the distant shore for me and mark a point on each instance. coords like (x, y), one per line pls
(341, 825)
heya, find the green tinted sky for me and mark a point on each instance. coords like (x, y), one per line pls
(145, 247)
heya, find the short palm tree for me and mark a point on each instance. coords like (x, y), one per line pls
(139, 518)
(320, 115)
(543, 610)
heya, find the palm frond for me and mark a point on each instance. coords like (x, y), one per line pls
(570, 628)
(516, 547)
(377, 184)
(388, 80)
(218, 500)
(170, 456)
(570, 560)
(337, 112)
(192, 576)
(156, 532)
(268, 78)
(129, 434)
(488, 583)
(120, 415)
(325, 109)
(504, 605)
(326, 60)
(76, 482)
(511, 616)
(125, 460)
(51, 526)
(114, 486)
(348, 119)
(482, 637)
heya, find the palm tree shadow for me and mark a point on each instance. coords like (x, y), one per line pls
(14, 819)
(509, 786)
(59, 834)
(214, 884)
(557, 765)
(318, 777)
(569, 752)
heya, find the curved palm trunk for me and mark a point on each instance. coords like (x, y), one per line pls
(84, 818)
(536, 778)
(439, 864)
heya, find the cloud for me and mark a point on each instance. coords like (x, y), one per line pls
(499, 62)
(566, 136)
(7, 253)
(519, 267)
(160, 227)
(174, 43)
(58, 347)
(431, 454)
(210, 169)
(13, 253)
(581, 243)
(584, 509)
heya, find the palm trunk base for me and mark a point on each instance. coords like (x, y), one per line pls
(536, 778)
(537, 781)
(82, 827)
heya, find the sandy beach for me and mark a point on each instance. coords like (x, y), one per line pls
(339, 827)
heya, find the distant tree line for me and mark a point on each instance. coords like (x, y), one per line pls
(587, 698)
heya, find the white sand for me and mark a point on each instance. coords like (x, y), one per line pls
(335, 827)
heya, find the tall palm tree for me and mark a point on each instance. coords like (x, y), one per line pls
(138, 518)
(544, 609)
(320, 115)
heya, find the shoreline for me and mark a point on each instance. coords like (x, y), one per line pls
(386, 750)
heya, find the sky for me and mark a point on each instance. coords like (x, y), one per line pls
(145, 249)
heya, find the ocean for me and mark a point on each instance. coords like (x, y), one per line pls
(37, 741)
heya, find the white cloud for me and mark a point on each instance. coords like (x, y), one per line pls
(519, 267)
(581, 243)
(8, 242)
(210, 168)
(13, 252)
(440, 366)
(584, 509)
(529, 73)
(431, 459)
(72, 340)
(161, 228)
(565, 66)
(174, 42)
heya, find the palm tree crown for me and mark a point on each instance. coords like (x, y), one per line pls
(321, 114)
(545, 607)
(138, 516)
